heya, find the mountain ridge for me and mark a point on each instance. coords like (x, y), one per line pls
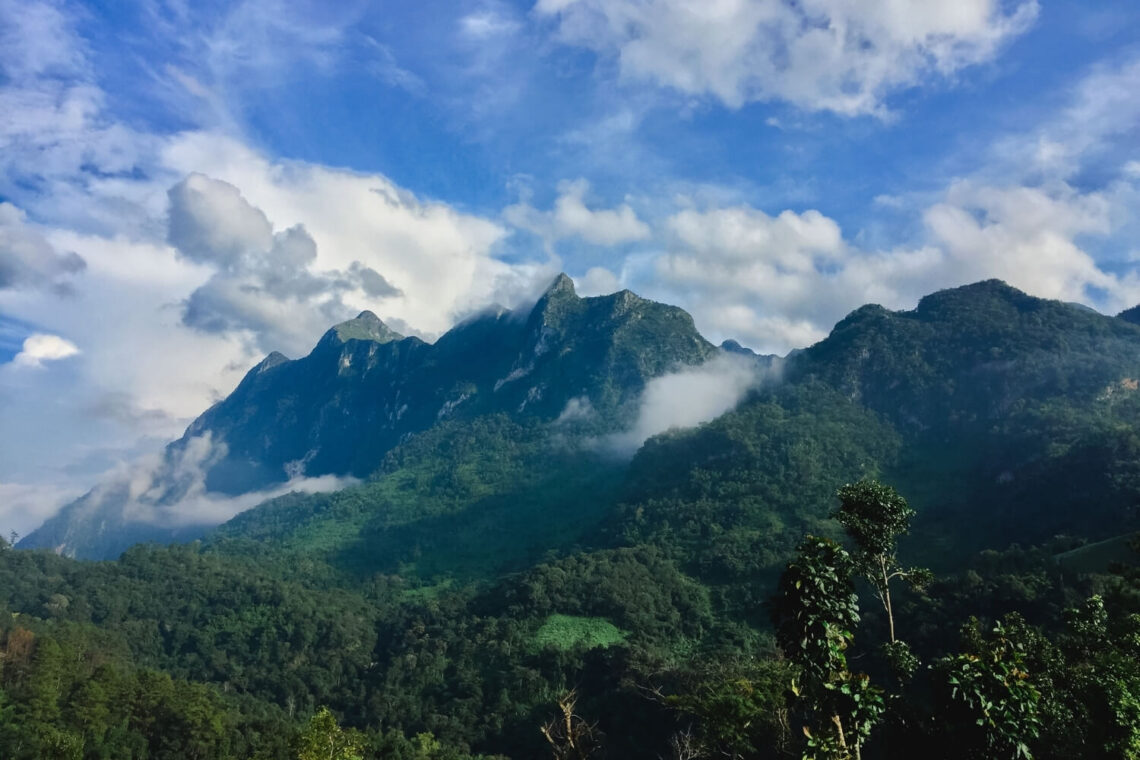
(364, 388)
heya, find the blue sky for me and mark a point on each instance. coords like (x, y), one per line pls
(185, 186)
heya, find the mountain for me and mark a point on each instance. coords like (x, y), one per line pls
(494, 550)
(365, 388)
(1003, 417)
(979, 403)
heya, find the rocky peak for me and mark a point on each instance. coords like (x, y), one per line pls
(366, 326)
(562, 287)
(275, 359)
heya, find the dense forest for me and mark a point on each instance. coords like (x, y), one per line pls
(919, 542)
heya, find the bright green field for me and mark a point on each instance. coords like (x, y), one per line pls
(567, 632)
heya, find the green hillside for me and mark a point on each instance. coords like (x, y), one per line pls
(492, 561)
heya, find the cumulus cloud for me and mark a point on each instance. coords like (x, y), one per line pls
(688, 397)
(27, 259)
(264, 282)
(820, 55)
(211, 222)
(441, 260)
(781, 282)
(39, 348)
(572, 218)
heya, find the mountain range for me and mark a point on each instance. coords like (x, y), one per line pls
(437, 541)
(950, 383)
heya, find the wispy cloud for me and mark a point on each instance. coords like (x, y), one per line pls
(821, 55)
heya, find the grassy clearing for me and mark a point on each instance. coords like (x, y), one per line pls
(1096, 558)
(567, 632)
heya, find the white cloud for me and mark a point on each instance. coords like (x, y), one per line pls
(488, 22)
(820, 55)
(39, 348)
(688, 397)
(440, 259)
(24, 506)
(30, 36)
(1102, 116)
(263, 282)
(577, 409)
(597, 281)
(1027, 237)
(27, 259)
(171, 492)
(572, 218)
(781, 282)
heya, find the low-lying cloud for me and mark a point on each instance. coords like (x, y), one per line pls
(169, 491)
(691, 396)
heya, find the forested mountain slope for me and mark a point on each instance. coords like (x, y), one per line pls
(502, 554)
(365, 388)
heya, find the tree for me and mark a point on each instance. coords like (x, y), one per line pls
(989, 703)
(874, 516)
(324, 739)
(738, 705)
(569, 735)
(815, 612)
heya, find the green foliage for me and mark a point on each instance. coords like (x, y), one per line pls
(324, 739)
(568, 632)
(990, 701)
(738, 706)
(816, 612)
(70, 692)
(731, 499)
(466, 500)
(874, 516)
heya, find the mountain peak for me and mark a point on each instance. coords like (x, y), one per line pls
(733, 347)
(562, 286)
(366, 326)
(274, 359)
(973, 295)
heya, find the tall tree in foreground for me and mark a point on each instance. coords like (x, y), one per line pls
(815, 612)
(874, 516)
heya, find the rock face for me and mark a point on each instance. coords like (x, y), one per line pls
(365, 387)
